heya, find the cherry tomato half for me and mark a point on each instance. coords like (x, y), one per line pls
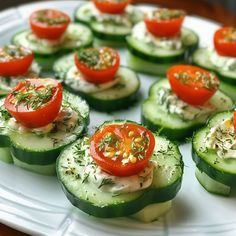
(164, 22)
(49, 24)
(192, 84)
(111, 6)
(98, 65)
(15, 60)
(35, 102)
(122, 149)
(225, 41)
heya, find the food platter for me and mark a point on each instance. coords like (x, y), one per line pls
(35, 204)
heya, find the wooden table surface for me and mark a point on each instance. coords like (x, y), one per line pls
(200, 7)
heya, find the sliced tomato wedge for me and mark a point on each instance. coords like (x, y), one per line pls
(122, 149)
(97, 65)
(111, 6)
(192, 84)
(225, 41)
(15, 60)
(49, 24)
(164, 22)
(35, 102)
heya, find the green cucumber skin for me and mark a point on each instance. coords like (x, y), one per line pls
(4, 141)
(217, 174)
(209, 66)
(173, 134)
(220, 176)
(126, 209)
(35, 158)
(185, 56)
(107, 105)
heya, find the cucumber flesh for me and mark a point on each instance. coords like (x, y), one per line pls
(5, 155)
(212, 185)
(152, 212)
(141, 65)
(39, 169)
(152, 53)
(229, 90)
(76, 36)
(201, 57)
(90, 199)
(171, 125)
(220, 169)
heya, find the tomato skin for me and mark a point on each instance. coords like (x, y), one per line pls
(164, 28)
(98, 76)
(116, 167)
(193, 94)
(45, 31)
(111, 7)
(16, 66)
(40, 117)
(222, 46)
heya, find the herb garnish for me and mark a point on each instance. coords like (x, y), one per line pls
(105, 181)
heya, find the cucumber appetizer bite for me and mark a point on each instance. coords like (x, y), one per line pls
(37, 120)
(16, 64)
(110, 20)
(96, 75)
(51, 34)
(122, 170)
(221, 59)
(214, 152)
(159, 42)
(178, 106)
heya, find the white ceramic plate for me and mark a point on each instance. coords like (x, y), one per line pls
(36, 204)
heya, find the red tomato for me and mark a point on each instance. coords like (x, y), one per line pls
(225, 41)
(98, 65)
(49, 24)
(192, 84)
(15, 60)
(122, 149)
(164, 22)
(35, 102)
(111, 6)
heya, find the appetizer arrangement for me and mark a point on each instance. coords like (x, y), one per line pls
(110, 20)
(16, 64)
(160, 41)
(184, 102)
(37, 121)
(51, 34)
(96, 75)
(221, 59)
(122, 170)
(214, 152)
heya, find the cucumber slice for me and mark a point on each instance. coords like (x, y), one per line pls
(151, 53)
(152, 212)
(5, 155)
(38, 152)
(90, 199)
(141, 65)
(207, 160)
(229, 90)
(172, 125)
(107, 27)
(76, 36)
(120, 96)
(211, 185)
(201, 57)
